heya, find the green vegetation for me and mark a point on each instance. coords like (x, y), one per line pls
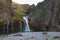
(1, 20)
(19, 10)
(37, 9)
(18, 13)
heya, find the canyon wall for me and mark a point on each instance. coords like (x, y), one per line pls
(5, 9)
(46, 16)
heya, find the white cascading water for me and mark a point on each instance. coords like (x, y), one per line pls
(27, 29)
(4, 27)
(7, 26)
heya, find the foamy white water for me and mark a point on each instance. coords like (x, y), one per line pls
(27, 25)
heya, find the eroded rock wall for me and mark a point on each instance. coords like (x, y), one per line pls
(5, 9)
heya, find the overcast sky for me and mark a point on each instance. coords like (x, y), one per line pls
(27, 1)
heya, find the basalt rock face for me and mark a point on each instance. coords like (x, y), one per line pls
(49, 16)
(5, 9)
(30, 10)
(6, 12)
(32, 17)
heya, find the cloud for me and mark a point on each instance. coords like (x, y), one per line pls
(27, 1)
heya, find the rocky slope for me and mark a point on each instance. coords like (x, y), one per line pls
(22, 7)
(19, 10)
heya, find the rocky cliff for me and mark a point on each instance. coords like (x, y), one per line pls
(6, 12)
(49, 16)
(5, 9)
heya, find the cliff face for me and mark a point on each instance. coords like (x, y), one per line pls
(49, 15)
(5, 9)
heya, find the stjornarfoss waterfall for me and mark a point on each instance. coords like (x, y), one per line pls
(27, 29)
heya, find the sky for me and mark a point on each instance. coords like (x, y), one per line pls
(30, 2)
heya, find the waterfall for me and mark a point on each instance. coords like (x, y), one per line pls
(12, 26)
(7, 26)
(4, 27)
(26, 24)
(20, 26)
